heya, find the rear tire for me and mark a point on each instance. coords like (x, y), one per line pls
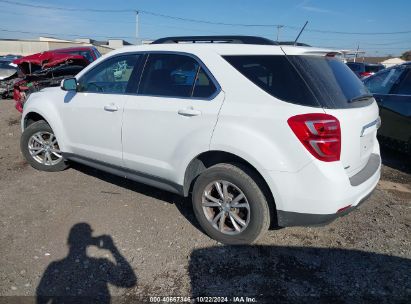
(229, 205)
(40, 148)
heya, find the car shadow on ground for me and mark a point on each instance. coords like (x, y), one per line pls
(183, 204)
(396, 160)
(276, 274)
(80, 278)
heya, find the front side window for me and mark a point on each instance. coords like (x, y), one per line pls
(175, 76)
(110, 76)
(382, 82)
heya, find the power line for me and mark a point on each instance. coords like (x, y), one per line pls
(71, 35)
(6, 12)
(59, 8)
(197, 20)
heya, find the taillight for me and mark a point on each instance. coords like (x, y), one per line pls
(365, 74)
(319, 133)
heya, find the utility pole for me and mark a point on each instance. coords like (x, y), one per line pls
(356, 53)
(278, 30)
(137, 28)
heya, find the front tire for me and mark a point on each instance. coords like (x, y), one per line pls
(40, 148)
(229, 205)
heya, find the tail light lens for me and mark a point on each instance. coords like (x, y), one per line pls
(365, 74)
(319, 133)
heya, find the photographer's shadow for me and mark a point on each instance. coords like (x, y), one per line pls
(79, 278)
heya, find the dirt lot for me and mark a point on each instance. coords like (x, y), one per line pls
(158, 249)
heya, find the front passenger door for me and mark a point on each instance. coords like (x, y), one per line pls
(93, 115)
(389, 88)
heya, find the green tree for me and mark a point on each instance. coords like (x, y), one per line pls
(406, 56)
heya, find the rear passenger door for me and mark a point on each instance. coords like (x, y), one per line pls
(171, 117)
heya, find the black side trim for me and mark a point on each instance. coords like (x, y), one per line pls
(127, 173)
(368, 171)
(289, 219)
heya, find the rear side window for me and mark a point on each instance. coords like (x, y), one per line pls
(204, 87)
(276, 76)
(317, 81)
(175, 76)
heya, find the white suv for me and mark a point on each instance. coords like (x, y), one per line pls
(255, 133)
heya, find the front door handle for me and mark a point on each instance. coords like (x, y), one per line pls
(189, 112)
(110, 108)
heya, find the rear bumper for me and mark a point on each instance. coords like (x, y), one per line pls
(289, 219)
(320, 193)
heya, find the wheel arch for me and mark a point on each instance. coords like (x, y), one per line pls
(31, 118)
(209, 158)
(50, 116)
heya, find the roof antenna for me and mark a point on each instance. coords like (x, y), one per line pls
(299, 34)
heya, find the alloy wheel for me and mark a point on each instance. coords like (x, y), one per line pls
(226, 207)
(44, 148)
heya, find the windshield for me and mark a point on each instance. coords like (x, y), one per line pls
(315, 81)
(6, 65)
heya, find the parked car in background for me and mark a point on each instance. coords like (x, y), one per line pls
(42, 70)
(8, 72)
(7, 68)
(254, 132)
(45, 69)
(392, 90)
(363, 69)
(89, 52)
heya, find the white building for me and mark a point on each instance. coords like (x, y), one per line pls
(26, 47)
(392, 61)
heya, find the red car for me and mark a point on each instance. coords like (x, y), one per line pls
(48, 68)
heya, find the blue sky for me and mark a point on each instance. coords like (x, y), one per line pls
(364, 16)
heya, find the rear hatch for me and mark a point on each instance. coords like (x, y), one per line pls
(340, 93)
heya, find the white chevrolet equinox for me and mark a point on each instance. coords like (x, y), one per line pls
(255, 132)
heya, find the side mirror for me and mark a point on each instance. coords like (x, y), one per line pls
(69, 84)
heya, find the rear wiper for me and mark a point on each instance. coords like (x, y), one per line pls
(361, 97)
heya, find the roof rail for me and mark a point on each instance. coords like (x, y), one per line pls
(216, 39)
(292, 43)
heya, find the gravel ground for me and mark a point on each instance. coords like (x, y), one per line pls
(146, 242)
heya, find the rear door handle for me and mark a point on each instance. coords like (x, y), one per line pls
(110, 108)
(189, 112)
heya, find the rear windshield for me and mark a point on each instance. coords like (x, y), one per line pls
(6, 65)
(373, 68)
(315, 81)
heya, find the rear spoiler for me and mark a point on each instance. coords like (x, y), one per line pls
(310, 51)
